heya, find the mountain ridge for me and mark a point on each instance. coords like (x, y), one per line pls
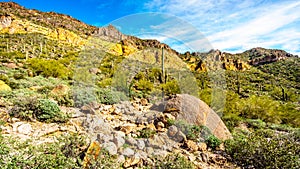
(110, 30)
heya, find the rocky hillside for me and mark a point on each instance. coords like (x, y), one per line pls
(77, 96)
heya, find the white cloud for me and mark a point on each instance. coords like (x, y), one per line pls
(236, 24)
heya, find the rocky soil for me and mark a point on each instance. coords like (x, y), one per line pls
(130, 130)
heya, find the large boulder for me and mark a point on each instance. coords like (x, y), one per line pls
(195, 111)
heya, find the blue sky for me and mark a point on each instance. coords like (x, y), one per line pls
(228, 25)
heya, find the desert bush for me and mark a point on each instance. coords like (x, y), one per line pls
(104, 161)
(212, 142)
(83, 96)
(67, 153)
(174, 161)
(265, 149)
(256, 123)
(198, 134)
(146, 133)
(144, 86)
(49, 68)
(30, 108)
(171, 87)
(109, 96)
(47, 110)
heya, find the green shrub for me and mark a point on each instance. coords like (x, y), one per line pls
(212, 142)
(265, 149)
(47, 110)
(83, 96)
(49, 68)
(171, 87)
(104, 160)
(174, 161)
(193, 132)
(24, 108)
(231, 121)
(170, 122)
(256, 123)
(109, 96)
(146, 133)
(144, 86)
(30, 108)
(67, 153)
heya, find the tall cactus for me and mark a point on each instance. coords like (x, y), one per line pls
(7, 50)
(238, 84)
(162, 72)
(163, 64)
(41, 48)
(283, 94)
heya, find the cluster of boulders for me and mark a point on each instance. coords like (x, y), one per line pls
(137, 132)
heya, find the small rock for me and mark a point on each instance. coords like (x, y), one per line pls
(131, 141)
(121, 159)
(143, 155)
(172, 131)
(155, 142)
(160, 125)
(191, 145)
(104, 138)
(88, 109)
(202, 146)
(118, 140)
(25, 129)
(151, 126)
(204, 157)
(149, 150)
(191, 158)
(128, 152)
(160, 153)
(180, 137)
(110, 147)
(144, 102)
(169, 116)
(128, 128)
(140, 144)
(131, 161)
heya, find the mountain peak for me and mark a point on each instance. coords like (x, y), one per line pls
(11, 5)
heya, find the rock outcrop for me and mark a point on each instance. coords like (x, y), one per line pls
(195, 111)
(260, 56)
(109, 33)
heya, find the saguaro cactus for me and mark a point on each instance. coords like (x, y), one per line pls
(163, 64)
(162, 72)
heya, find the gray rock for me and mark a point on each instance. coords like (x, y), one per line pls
(25, 129)
(95, 124)
(119, 141)
(180, 137)
(140, 144)
(155, 142)
(121, 159)
(104, 138)
(204, 157)
(110, 147)
(142, 154)
(128, 152)
(172, 131)
(160, 153)
(125, 107)
(131, 141)
(149, 150)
